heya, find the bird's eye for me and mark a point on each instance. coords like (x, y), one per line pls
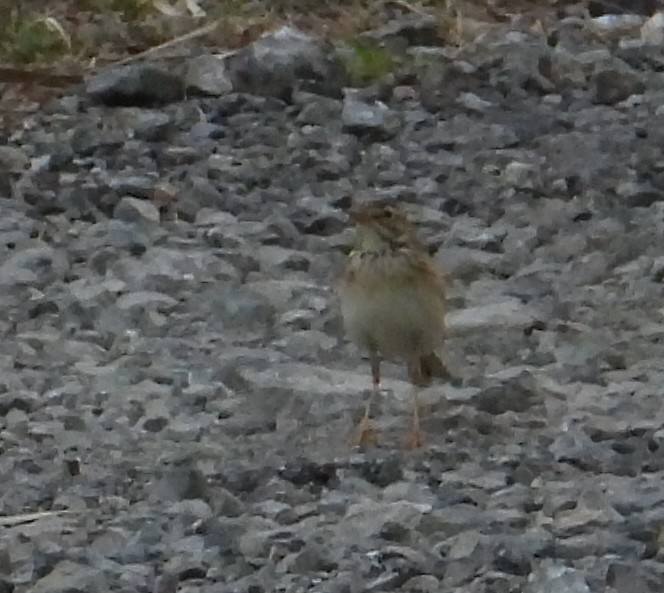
(388, 213)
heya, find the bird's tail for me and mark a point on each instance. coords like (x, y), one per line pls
(427, 367)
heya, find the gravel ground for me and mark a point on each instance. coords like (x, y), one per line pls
(176, 394)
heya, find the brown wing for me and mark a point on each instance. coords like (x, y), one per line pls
(426, 272)
(422, 370)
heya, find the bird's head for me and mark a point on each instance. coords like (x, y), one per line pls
(379, 225)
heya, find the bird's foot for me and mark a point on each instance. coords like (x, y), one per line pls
(365, 435)
(414, 439)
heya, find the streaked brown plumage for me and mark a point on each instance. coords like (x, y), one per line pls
(393, 301)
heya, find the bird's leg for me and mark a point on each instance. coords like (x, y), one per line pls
(365, 433)
(414, 439)
(419, 379)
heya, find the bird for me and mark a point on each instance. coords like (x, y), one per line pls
(392, 300)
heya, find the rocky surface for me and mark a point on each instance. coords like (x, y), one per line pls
(176, 397)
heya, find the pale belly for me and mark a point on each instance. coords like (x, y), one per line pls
(397, 323)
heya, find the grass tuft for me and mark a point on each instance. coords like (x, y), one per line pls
(368, 62)
(129, 10)
(26, 40)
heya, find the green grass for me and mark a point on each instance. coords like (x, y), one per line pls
(130, 10)
(368, 62)
(26, 40)
(74, 31)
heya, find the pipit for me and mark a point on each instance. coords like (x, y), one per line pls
(393, 303)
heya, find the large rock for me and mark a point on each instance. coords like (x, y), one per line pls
(274, 65)
(139, 84)
(505, 314)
